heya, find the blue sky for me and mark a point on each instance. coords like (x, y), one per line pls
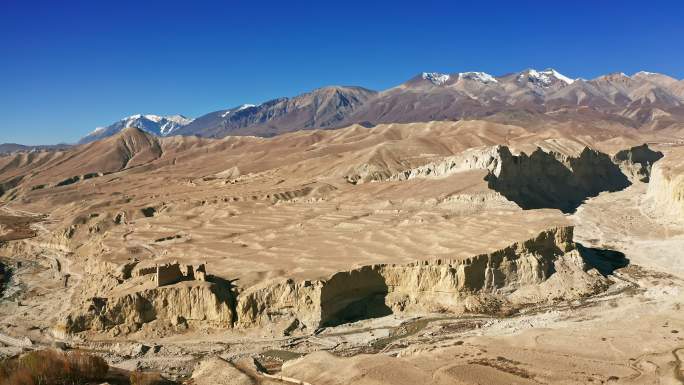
(69, 66)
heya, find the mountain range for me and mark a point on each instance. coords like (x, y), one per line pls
(154, 124)
(642, 101)
(6, 148)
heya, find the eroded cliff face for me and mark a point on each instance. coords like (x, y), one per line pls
(487, 158)
(636, 162)
(666, 188)
(543, 179)
(546, 267)
(280, 303)
(549, 180)
(174, 305)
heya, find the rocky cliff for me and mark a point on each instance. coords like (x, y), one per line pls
(541, 179)
(544, 268)
(666, 188)
(636, 162)
(174, 305)
(483, 283)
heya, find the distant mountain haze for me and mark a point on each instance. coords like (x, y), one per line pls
(6, 148)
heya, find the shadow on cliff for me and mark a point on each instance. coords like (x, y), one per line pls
(5, 276)
(606, 261)
(226, 291)
(354, 295)
(540, 180)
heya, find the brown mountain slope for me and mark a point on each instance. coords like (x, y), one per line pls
(129, 148)
(320, 108)
(646, 101)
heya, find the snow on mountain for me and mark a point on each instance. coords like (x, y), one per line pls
(170, 123)
(545, 78)
(154, 124)
(560, 76)
(436, 78)
(479, 76)
(645, 73)
(240, 108)
(431, 96)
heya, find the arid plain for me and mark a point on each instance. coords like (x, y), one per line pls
(469, 252)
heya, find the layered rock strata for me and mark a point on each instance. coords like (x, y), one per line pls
(544, 268)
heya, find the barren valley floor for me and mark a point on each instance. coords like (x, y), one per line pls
(361, 256)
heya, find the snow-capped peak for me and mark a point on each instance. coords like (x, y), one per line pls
(560, 76)
(435, 77)
(545, 78)
(150, 117)
(245, 106)
(180, 119)
(479, 76)
(236, 109)
(154, 124)
(644, 73)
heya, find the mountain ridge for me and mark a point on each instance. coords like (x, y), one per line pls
(644, 100)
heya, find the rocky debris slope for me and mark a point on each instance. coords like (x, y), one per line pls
(666, 188)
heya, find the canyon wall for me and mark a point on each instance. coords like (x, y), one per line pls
(636, 162)
(542, 179)
(544, 268)
(483, 283)
(172, 305)
(666, 188)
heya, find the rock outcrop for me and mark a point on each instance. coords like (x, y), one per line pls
(483, 283)
(666, 188)
(180, 303)
(551, 180)
(129, 296)
(636, 162)
(547, 267)
(541, 179)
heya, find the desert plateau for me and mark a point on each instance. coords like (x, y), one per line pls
(439, 252)
(523, 227)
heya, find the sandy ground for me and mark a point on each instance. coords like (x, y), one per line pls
(291, 213)
(630, 336)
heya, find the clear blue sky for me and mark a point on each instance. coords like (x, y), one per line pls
(69, 66)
